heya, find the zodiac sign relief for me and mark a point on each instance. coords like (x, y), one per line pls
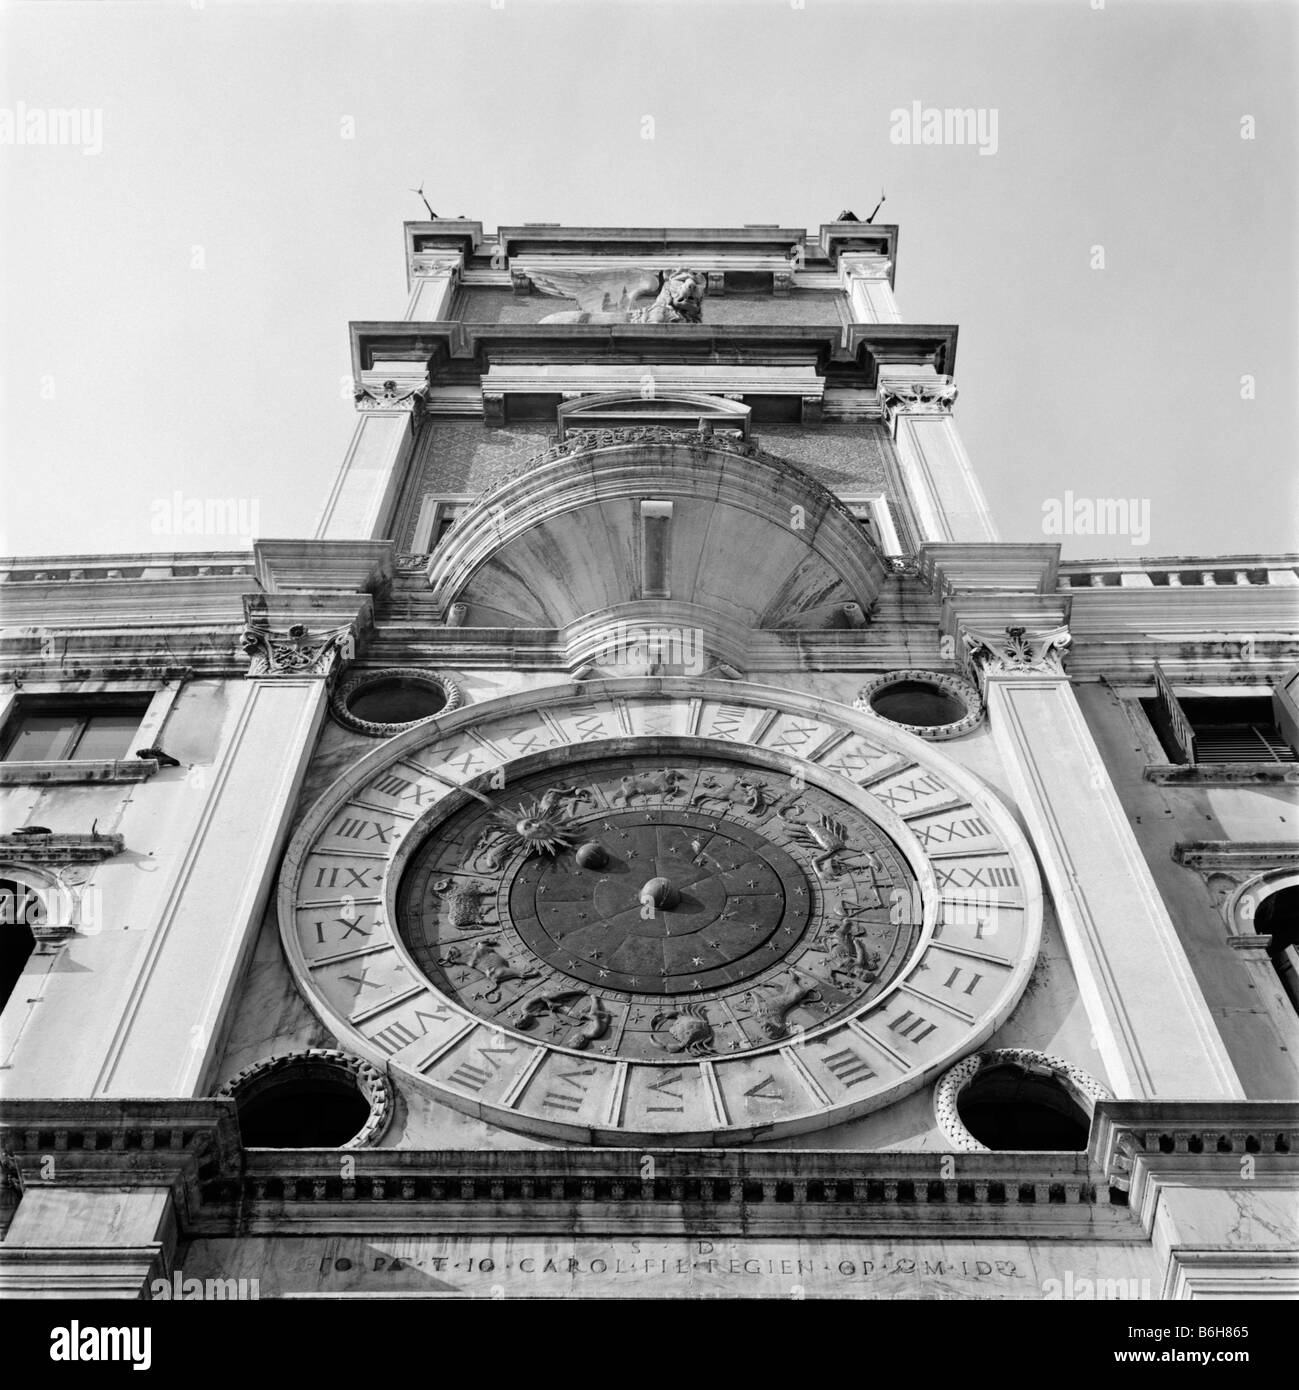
(491, 965)
(848, 957)
(731, 790)
(464, 902)
(665, 783)
(825, 837)
(770, 1013)
(586, 1015)
(686, 1029)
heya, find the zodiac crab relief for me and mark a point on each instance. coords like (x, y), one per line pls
(584, 1015)
(686, 1029)
(673, 296)
(487, 960)
(770, 1012)
(666, 783)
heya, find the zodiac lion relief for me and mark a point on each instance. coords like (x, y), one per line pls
(674, 296)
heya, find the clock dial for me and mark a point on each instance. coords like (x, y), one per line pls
(653, 909)
(627, 914)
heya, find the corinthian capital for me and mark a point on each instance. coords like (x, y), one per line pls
(1014, 651)
(296, 652)
(390, 396)
(864, 265)
(932, 396)
(429, 265)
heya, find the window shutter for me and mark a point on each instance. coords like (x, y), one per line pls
(1285, 707)
(1179, 723)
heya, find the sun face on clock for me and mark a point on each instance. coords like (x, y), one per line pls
(655, 912)
(688, 906)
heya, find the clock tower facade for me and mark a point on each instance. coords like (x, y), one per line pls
(656, 838)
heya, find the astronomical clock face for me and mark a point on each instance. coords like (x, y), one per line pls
(658, 907)
(641, 918)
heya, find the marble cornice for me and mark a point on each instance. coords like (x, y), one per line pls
(193, 1147)
(964, 567)
(454, 349)
(285, 566)
(840, 239)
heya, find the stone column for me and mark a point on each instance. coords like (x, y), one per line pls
(1151, 1023)
(166, 1034)
(360, 505)
(865, 280)
(949, 503)
(434, 281)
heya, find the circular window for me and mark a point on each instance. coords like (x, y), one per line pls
(929, 703)
(383, 703)
(1016, 1099)
(321, 1099)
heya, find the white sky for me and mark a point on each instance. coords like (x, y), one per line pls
(128, 374)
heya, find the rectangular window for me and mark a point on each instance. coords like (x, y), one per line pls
(437, 518)
(49, 729)
(1225, 729)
